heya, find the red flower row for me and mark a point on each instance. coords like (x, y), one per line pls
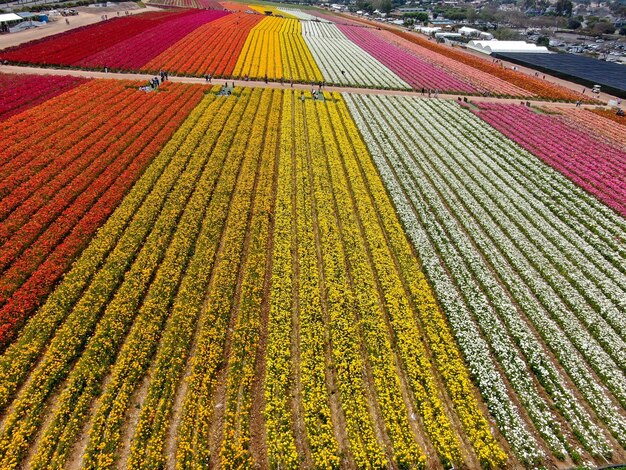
(21, 92)
(59, 230)
(70, 47)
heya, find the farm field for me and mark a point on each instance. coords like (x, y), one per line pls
(193, 267)
(199, 275)
(65, 167)
(596, 165)
(235, 40)
(526, 266)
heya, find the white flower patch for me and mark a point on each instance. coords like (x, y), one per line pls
(517, 254)
(344, 63)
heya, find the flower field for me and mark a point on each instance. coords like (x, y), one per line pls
(610, 114)
(133, 52)
(235, 40)
(20, 92)
(192, 268)
(588, 121)
(526, 266)
(270, 278)
(416, 72)
(64, 169)
(597, 166)
(343, 62)
(275, 50)
(70, 47)
(201, 4)
(210, 49)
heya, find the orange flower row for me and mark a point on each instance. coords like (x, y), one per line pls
(211, 49)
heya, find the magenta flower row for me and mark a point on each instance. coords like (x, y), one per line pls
(592, 164)
(417, 73)
(136, 51)
(20, 92)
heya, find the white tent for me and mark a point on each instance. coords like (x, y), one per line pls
(489, 47)
(427, 30)
(8, 17)
(473, 32)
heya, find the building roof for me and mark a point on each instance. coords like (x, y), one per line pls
(6, 17)
(495, 46)
(576, 68)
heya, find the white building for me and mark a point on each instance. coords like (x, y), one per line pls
(475, 33)
(489, 47)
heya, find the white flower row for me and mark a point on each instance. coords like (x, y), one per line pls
(475, 349)
(539, 314)
(302, 15)
(344, 63)
(488, 243)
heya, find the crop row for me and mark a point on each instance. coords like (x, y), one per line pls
(211, 49)
(533, 309)
(132, 53)
(275, 50)
(21, 92)
(585, 120)
(342, 281)
(596, 166)
(416, 72)
(52, 206)
(535, 85)
(69, 47)
(344, 63)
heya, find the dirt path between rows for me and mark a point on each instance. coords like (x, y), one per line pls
(296, 86)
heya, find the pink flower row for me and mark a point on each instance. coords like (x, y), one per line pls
(479, 79)
(410, 68)
(70, 47)
(592, 164)
(20, 92)
(136, 51)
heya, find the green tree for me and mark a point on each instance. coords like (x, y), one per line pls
(383, 6)
(543, 41)
(417, 16)
(573, 24)
(506, 34)
(563, 8)
(603, 27)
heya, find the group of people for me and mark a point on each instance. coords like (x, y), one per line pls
(154, 82)
(430, 92)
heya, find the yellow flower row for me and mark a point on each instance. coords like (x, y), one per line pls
(242, 138)
(275, 50)
(279, 377)
(382, 275)
(234, 452)
(446, 355)
(140, 345)
(330, 283)
(339, 224)
(298, 62)
(79, 333)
